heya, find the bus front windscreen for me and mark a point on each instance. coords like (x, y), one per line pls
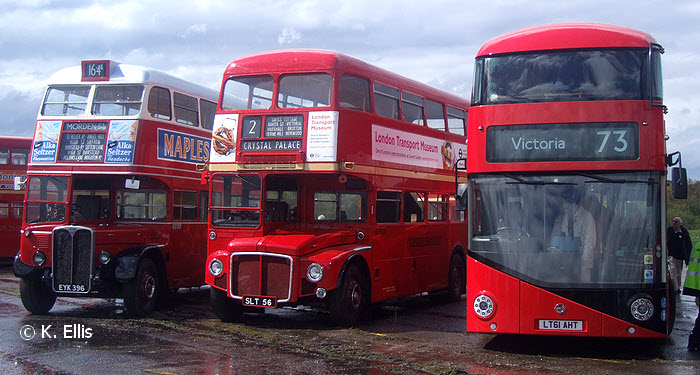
(573, 230)
(559, 76)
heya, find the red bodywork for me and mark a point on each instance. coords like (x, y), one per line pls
(14, 152)
(400, 258)
(518, 305)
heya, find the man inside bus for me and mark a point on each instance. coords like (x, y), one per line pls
(575, 230)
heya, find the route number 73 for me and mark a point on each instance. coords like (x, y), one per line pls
(620, 144)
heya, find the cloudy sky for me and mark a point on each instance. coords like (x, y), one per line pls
(430, 41)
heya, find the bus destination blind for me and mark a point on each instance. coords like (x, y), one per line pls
(562, 142)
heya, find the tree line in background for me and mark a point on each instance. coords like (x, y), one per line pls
(686, 209)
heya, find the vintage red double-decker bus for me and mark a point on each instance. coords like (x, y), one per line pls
(14, 152)
(114, 205)
(330, 183)
(567, 185)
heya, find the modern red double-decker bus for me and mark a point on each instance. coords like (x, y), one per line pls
(114, 204)
(330, 184)
(14, 152)
(567, 183)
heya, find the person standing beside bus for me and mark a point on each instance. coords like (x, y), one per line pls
(692, 288)
(679, 246)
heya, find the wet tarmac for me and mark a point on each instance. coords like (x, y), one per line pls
(412, 335)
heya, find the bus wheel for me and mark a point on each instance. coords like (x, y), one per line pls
(141, 293)
(457, 279)
(349, 301)
(226, 309)
(36, 296)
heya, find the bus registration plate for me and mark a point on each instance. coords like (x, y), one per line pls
(72, 288)
(260, 301)
(561, 325)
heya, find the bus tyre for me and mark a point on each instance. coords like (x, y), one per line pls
(457, 279)
(141, 293)
(349, 301)
(36, 296)
(225, 308)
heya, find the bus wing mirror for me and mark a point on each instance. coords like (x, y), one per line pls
(131, 183)
(461, 197)
(679, 183)
(19, 183)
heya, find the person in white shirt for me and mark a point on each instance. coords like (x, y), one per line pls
(576, 221)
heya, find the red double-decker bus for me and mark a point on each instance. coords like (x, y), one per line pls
(114, 204)
(14, 152)
(330, 183)
(567, 181)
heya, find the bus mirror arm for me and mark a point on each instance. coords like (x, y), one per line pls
(20, 183)
(679, 177)
(460, 189)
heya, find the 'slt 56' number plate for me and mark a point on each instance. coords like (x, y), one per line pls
(260, 301)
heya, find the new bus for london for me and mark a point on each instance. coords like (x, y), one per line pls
(14, 152)
(330, 184)
(114, 205)
(567, 185)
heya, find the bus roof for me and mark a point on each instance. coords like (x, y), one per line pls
(125, 73)
(310, 60)
(566, 36)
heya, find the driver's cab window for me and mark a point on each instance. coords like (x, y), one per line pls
(90, 200)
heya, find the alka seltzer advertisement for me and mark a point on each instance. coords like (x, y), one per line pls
(121, 142)
(407, 148)
(182, 147)
(46, 141)
(84, 141)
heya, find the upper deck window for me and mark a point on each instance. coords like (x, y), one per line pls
(435, 112)
(456, 120)
(186, 109)
(117, 100)
(559, 76)
(20, 156)
(159, 103)
(354, 93)
(305, 90)
(65, 101)
(207, 110)
(412, 108)
(249, 92)
(386, 99)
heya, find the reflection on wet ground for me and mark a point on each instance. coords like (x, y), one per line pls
(411, 335)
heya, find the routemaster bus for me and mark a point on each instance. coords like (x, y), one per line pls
(14, 153)
(330, 185)
(567, 181)
(114, 205)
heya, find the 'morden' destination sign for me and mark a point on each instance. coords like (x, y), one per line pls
(562, 142)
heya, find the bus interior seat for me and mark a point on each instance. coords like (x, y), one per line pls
(276, 211)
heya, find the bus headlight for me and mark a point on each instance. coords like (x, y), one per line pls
(216, 267)
(314, 272)
(642, 309)
(484, 307)
(105, 257)
(39, 258)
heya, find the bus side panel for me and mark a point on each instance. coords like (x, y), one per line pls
(504, 291)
